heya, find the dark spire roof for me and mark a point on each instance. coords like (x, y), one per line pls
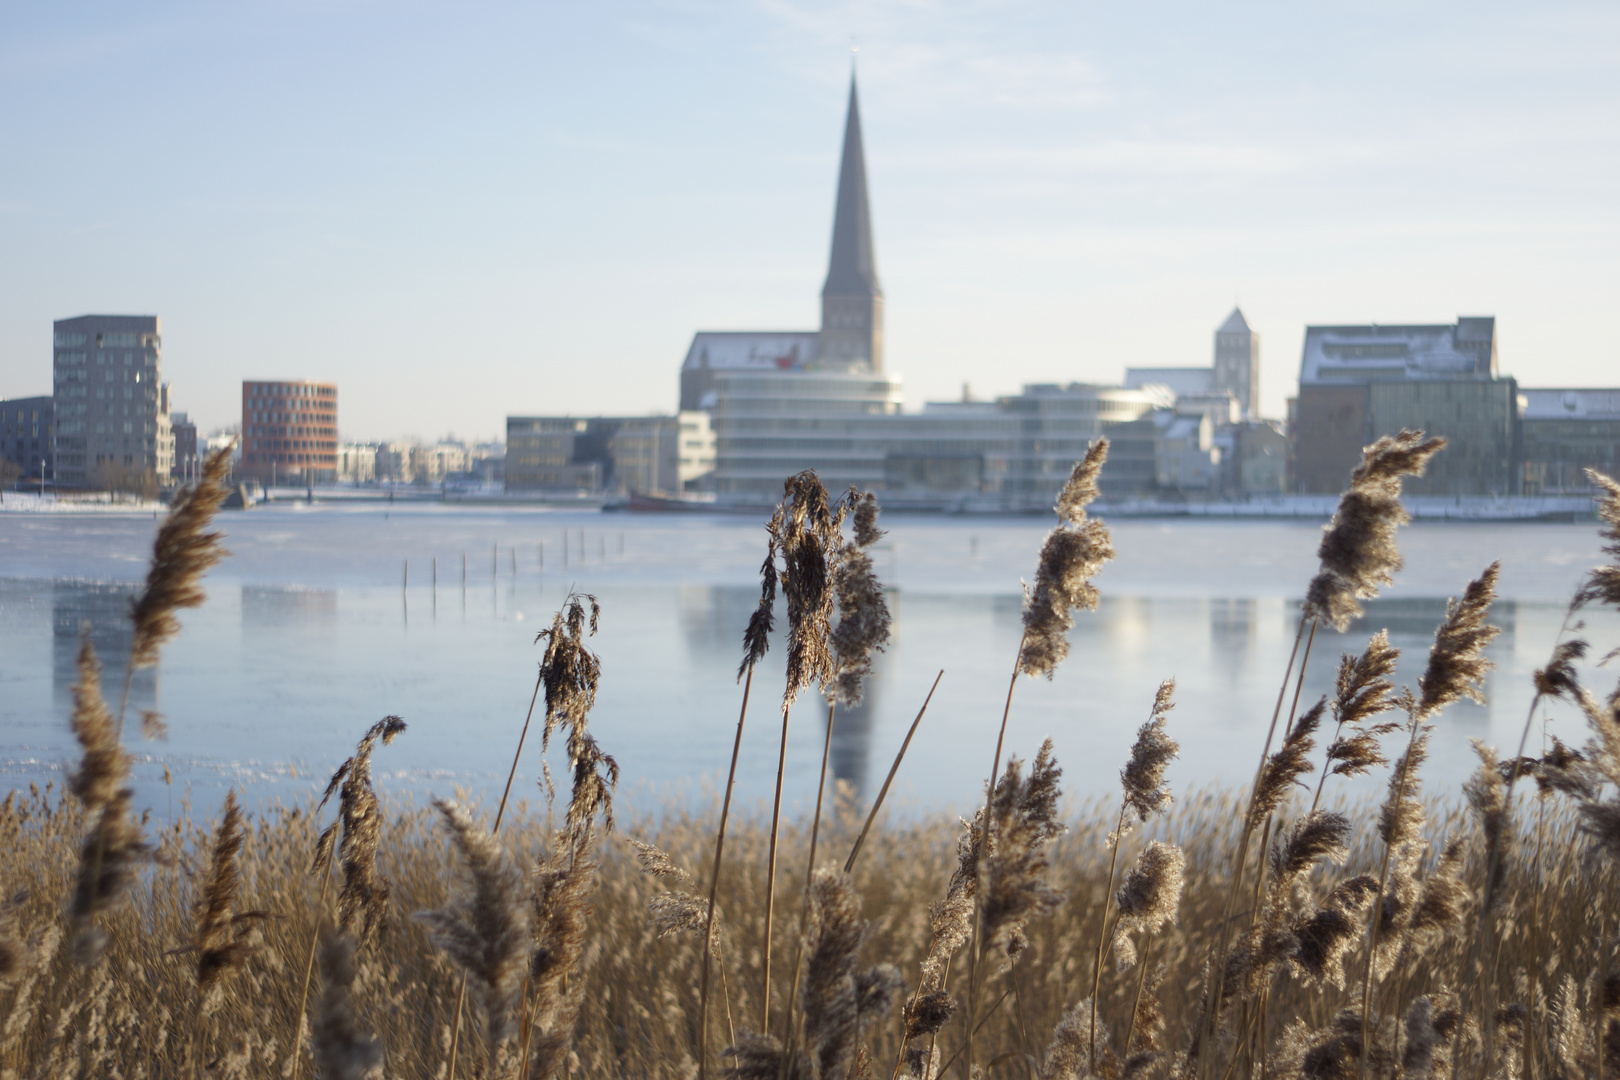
(1235, 323)
(852, 270)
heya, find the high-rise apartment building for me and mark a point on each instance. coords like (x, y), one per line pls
(289, 431)
(111, 404)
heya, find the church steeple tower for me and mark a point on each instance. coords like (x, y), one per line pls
(851, 298)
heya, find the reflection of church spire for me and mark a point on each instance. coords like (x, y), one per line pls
(851, 298)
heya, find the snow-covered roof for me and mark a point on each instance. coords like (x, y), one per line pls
(1552, 404)
(1183, 381)
(1335, 355)
(726, 349)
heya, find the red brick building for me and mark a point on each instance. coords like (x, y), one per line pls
(289, 431)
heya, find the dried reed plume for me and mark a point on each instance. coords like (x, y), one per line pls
(840, 999)
(485, 931)
(104, 768)
(225, 940)
(1602, 585)
(863, 612)
(865, 517)
(760, 1057)
(1358, 552)
(1457, 663)
(183, 551)
(1024, 824)
(114, 845)
(1143, 775)
(1361, 691)
(675, 911)
(1324, 938)
(809, 546)
(757, 637)
(1074, 1050)
(595, 776)
(343, 1049)
(568, 669)
(1071, 556)
(1149, 896)
(1283, 769)
(1486, 792)
(363, 899)
(950, 925)
(560, 902)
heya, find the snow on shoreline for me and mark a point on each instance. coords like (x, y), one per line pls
(21, 502)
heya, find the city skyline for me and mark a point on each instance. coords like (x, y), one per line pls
(1062, 193)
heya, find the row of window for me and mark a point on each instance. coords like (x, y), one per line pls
(285, 390)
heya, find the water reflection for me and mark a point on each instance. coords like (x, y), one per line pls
(275, 608)
(101, 612)
(712, 619)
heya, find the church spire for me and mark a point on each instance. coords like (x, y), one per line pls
(851, 298)
(852, 270)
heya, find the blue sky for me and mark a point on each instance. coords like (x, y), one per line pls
(463, 210)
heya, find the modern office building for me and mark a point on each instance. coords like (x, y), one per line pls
(1357, 383)
(1564, 432)
(111, 404)
(26, 438)
(289, 431)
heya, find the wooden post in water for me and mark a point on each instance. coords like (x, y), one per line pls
(494, 561)
(621, 545)
(514, 562)
(542, 556)
(565, 549)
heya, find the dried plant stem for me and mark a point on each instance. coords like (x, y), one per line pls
(714, 887)
(877, 804)
(1102, 927)
(985, 1019)
(791, 1039)
(1136, 1002)
(1211, 1017)
(461, 991)
(1378, 905)
(309, 970)
(770, 874)
(978, 905)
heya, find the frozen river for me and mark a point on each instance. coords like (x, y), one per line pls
(310, 633)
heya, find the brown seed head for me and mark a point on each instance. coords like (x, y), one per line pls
(1324, 940)
(1283, 769)
(363, 898)
(863, 624)
(182, 553)
(1358, 552)
(1486, 792)
(1457, 663)
(809, 546)
(569, 671)
(757, 638)
(486, 930)
(1071, 556)
(225, 940)
(104, 769)
(1143, 776)
(1024, 819)
(1150, 895)
(1602, 585)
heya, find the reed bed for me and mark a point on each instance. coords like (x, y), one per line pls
(1274, 931)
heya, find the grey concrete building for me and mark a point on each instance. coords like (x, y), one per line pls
(112, 410)
(1564, 432)
(1360, 382)
(26, 437)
